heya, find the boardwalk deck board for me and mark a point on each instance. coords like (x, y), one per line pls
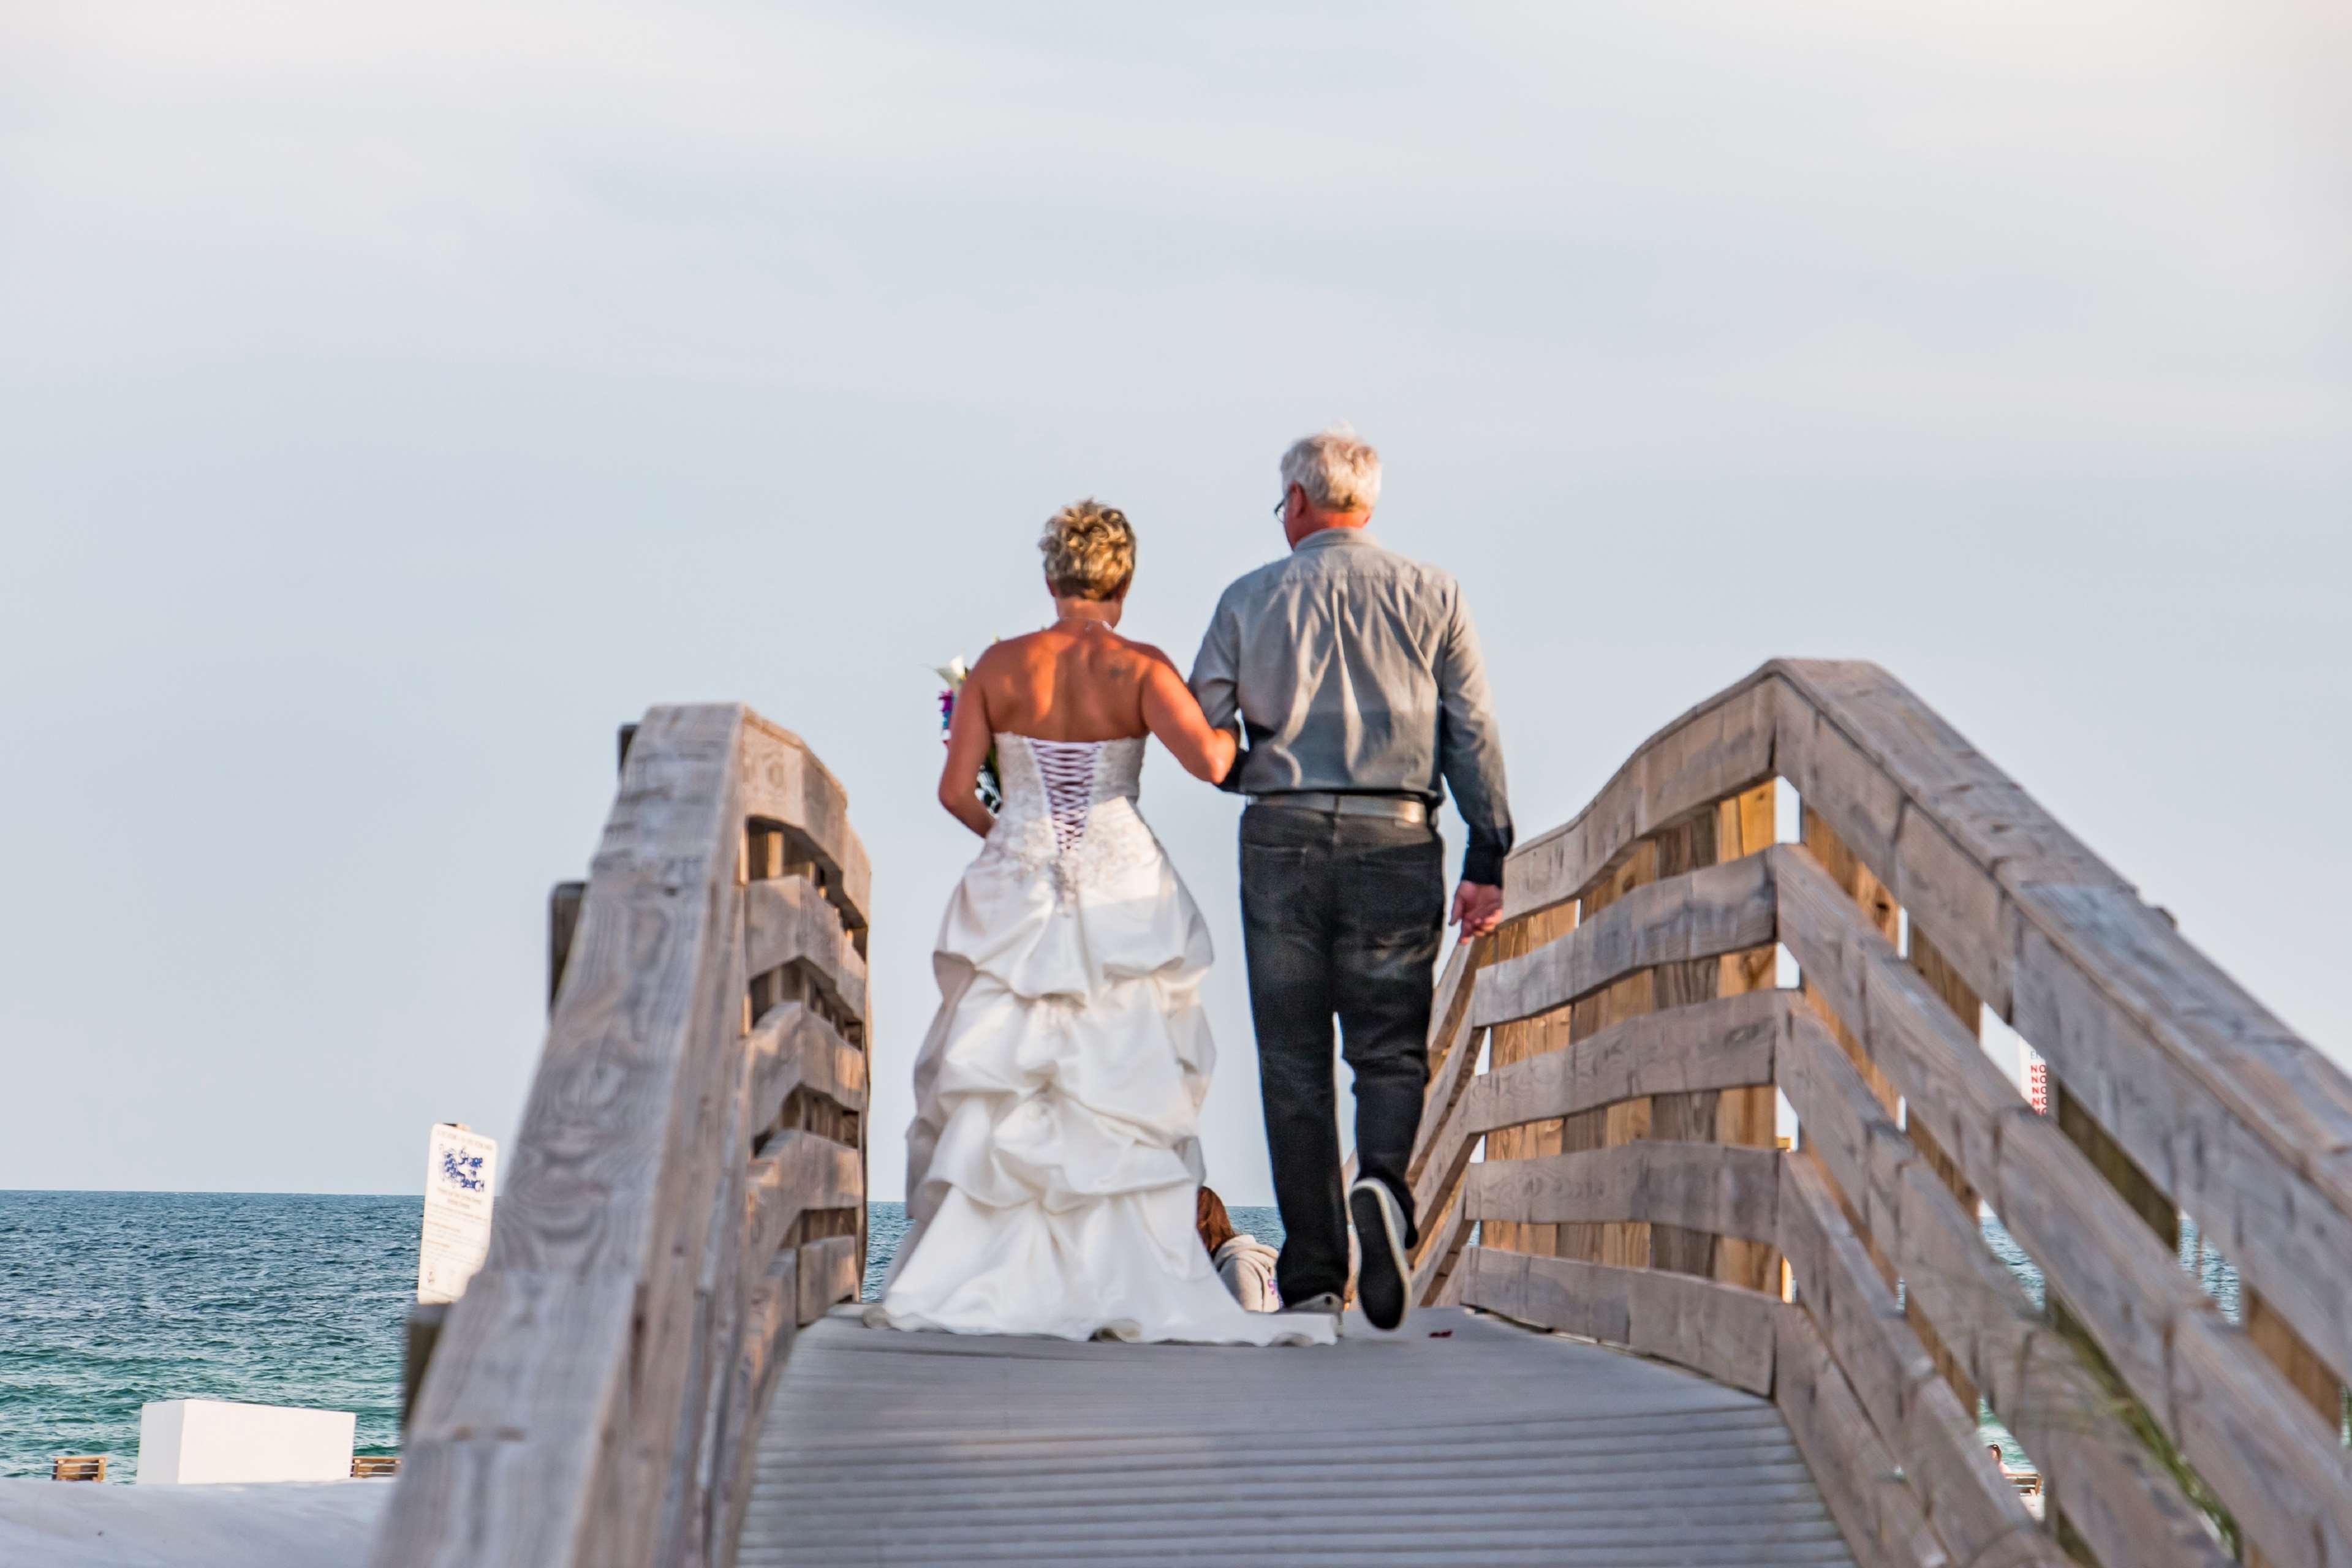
(909, 1450)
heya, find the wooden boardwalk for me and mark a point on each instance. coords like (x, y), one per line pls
(1780, 1352)
(1490, 1445)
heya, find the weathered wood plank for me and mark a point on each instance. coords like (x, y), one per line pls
(1624, 1245)
(800, 1173)
(1706, 1187)
(711, 1321)
(474, 1489)
(792, 1048)
(1720, 748)
(1972, 1507)
(1685, 1115)
(2234, 1418)
(827, 1273)
(1946, 982)
(1449, 1011)
(1927, 811)
(783, 781)
(771, 1318)
(1711, 1045)
(1725, 1332)
(1704, 914)
(1867, 1494)
(1453, 1052)
(557, 1404)
(2094, 1469)
(1444, 1233)
(1747, 824)
(2222, 1107)
(1442, 1172)
(562, 920)
(2286, 1350)
(789, 920)
(937, 1451)
(1878, 907)
(1518, 1040)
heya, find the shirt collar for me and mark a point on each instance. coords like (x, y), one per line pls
(1337, 538)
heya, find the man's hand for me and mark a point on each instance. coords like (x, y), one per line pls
(1477, 908)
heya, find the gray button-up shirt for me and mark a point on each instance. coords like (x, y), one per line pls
(1356, 671)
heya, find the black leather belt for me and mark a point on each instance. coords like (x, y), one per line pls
(1395, 807)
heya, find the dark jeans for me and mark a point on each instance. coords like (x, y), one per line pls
(1340, 914)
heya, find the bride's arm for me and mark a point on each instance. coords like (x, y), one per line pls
(1173, 714)
(968, 734)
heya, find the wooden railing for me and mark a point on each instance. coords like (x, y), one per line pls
(1634, 1039)
(687, 1186)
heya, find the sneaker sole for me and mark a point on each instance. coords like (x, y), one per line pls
(1382, 1273)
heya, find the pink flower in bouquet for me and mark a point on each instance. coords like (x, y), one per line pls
(955, 671)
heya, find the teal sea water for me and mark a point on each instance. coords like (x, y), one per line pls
(109, 1299)
(112, 1298)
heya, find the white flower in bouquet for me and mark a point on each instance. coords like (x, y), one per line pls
(955, 671)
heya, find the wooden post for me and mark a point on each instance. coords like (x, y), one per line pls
(2311, 1378)
(1626, 1243)
(1937, 971)
(563, 921)
(1878, 906)
(1744, 826)
(1684, 846)
(1516, 1042)
(424, 1332)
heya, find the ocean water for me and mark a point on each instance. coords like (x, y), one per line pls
(108, 1300)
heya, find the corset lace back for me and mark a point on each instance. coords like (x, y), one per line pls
(1065, 771)
(1069, 808)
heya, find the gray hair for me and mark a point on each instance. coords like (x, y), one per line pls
(1337, 468)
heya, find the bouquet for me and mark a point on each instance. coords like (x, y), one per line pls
(955, 671)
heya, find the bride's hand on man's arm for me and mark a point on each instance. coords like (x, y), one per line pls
(1172, 715)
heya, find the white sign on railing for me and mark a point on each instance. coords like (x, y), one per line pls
(461, 1171)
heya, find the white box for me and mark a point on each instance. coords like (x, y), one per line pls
(192, 1441)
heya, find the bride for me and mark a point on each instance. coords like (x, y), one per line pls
(1053, 1161)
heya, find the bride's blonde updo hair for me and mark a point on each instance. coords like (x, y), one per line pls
(1089, 550)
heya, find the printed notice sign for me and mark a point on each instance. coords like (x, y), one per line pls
(461, 1169)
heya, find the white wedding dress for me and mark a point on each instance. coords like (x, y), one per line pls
(1053, 1161)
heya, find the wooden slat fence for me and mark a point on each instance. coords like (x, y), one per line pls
(1610, 1172)
(687, 1188)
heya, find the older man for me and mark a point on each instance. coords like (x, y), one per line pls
(1362, 696)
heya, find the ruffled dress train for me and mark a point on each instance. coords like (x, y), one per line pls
(1054, 1156)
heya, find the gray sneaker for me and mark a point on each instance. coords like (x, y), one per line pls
(1330, 1304)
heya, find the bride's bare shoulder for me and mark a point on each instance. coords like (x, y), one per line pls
(1007, 655)
(1131, 651)
(1007, 648)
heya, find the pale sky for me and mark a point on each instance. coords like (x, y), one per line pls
(394, 400)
